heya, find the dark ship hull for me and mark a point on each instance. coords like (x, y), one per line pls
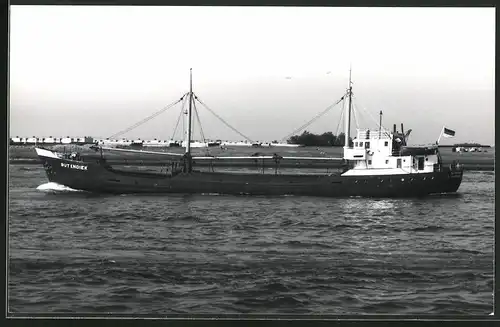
(94, 175)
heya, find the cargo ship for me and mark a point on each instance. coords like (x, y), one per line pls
(376, 163)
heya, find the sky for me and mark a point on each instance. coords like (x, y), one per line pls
(90, 70)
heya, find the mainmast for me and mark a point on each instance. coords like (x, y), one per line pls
(380, 126)
(188, 134)
(348, 116)
(188, 165)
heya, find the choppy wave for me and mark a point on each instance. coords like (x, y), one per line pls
(431, 228)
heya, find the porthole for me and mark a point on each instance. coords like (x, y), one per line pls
(402, 179)
(432, 177)
(411, 179)
(424, 178)
(356, 181)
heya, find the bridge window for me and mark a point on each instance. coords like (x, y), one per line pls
(361, 144)
(355, 144)
(367, 145)
(369, 162)
(386, 143)
(387, 162)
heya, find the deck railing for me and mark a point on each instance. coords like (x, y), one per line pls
(367, 134)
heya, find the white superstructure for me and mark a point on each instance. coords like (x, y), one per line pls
(384, 153)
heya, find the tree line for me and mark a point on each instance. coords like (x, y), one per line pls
(325, 139)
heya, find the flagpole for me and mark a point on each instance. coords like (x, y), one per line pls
(441, 134)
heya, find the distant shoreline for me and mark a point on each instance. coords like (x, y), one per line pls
(165, 147)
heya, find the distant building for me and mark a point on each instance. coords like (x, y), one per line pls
(50, 140)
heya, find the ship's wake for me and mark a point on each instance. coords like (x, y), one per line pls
(52, 187)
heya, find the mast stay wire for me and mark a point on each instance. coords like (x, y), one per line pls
(183, 136)
(385, 131)
(340, 118)
(145, 120)
(207, 149)
(193, 121)
(222, 120)
(179, 118)
(366, 112)
(199, 121)
(361, 117)
(314, 119)
(354, 117)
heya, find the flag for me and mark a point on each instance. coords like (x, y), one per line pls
(448, 132)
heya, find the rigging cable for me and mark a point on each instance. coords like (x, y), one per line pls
(359, 118)
(369, 114)
(362, 118)
(183, 136)
(147, 118)
(314, 119)
(199, 122)
(179, 118)
(222, 120)
(340, 119)
(354, 116)
(385, 131)
(192, 120)
(207, 149)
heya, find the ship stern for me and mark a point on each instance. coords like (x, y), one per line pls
(455, 174)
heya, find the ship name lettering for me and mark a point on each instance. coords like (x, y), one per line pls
(72, 166)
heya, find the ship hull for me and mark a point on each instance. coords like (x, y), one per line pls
(94, 176)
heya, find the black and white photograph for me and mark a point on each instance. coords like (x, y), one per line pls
(211, 160)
